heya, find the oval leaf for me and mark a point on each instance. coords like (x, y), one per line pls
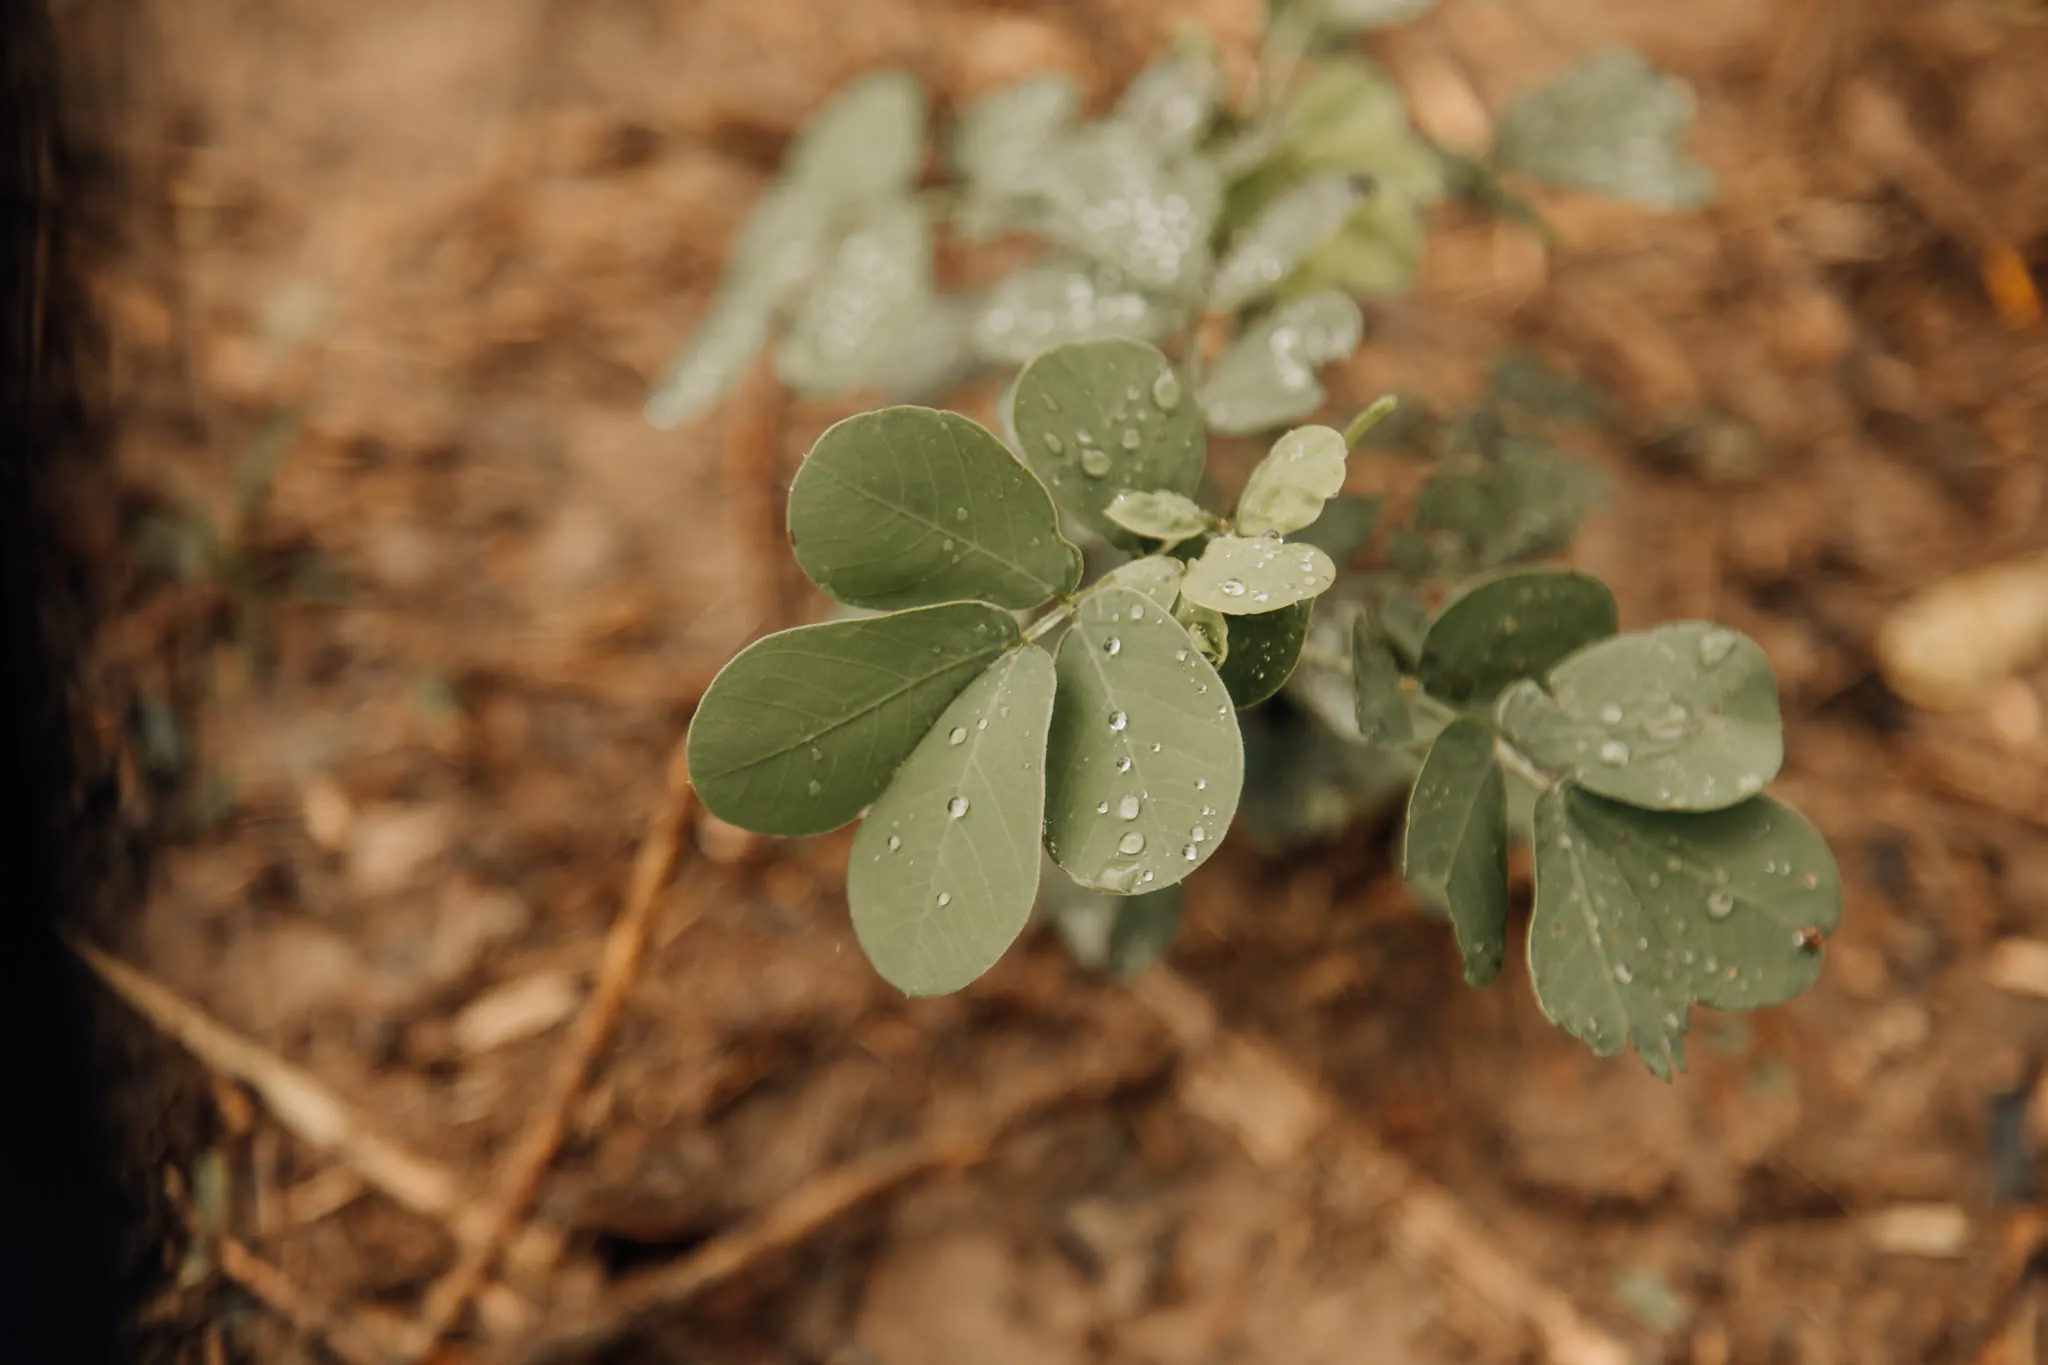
(1056, 305)
(998, 135)
(1172, 102)
(1516, 626)
(1454, 853)
(1377, 700)
(945, 868)
(908, 506)
(1156, 576)
(1210, 630)
(1263, 652)
(1098, 417)
(867, 142)
(1638, 915)
(1266, 377)
(1287, 490)
(1144, 764)
(1682, 717)
(803, 728)
(1244, 576)
(1285, 233)
(1160, 516)
(1613, 125)
(864, 307)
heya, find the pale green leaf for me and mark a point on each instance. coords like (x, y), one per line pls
(1243, 576)
(1375, 254)
(1287, 490)
(1156, 576)
(1454, 851)
(998, 135)
(1638, 915)
(935, 353)
(1263, 652)
(803, 728)
(1210, 630)
(1104, 193)
(1377, 700)
(868, 142)
(1612, 124)
(1286, 232)
(1159, 515)
(1683, 717)
(945, 867)
(1053, 304)
(1098, 417)
(1516, 626)
(909, 506)
(1121, 935)
(1144, 764)
(864, 306)
(1345, 114)
(1172, 102)
(1345, 528)
(1266, 377)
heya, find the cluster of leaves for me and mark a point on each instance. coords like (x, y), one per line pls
(1106, 729)
(1170, 206)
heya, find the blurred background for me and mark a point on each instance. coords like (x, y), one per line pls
(396, 606)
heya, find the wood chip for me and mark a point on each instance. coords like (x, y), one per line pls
(1941, 1231)
(515, 1011)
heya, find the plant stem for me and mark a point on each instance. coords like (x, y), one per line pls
(1052, 618)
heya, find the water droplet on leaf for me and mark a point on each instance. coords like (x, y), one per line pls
(1095, 462)
(1112, 646)
(1117, 720)
(1721, 904)
(957, 807)
(1715, 646)
(1614, 753)
(1133, 842)
(959, 735)
(1127, 808)
(1166, 391)
(1610, 714)
(1230, 587)
(1055, 444)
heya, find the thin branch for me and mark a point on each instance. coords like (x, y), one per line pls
(353, 1338)
(537, 1145)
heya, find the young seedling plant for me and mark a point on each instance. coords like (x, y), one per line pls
(985, 706)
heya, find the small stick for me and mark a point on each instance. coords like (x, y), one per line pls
(536, 1146)
(351, 1338)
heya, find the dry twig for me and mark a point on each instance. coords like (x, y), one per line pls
(356, 1339)
(536, 1147)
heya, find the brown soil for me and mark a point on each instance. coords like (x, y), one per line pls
(420, 263)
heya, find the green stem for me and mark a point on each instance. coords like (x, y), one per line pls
(1052, 618)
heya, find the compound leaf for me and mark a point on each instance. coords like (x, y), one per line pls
(1158, 515)
(1144, 764)
(1380, 707)
(1612, 124)
(945, 867)
(1454, 852)
(1683, 717)
(864, 306)
(867, 142)
(1049, 305)
(1284, 234)
(1266, 376)
(1287, 489)
(803, 728)
(1516, 626)
(1247, 575)
(1263, 651)
(1638, 915)
(1097, 417)
(908, 506)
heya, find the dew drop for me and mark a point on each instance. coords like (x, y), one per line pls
(814, 786)
(1199, 834)
(1102, 807)
(894, 843)
(1095, 462)
(1055, 444)
(1715, 646)
(1131, 439)
(1721, 904)
(1623, 974)
(982, 724)
(1155, 746)
(1166, 391)
(1614, 753)
(1127, 809)
(1123, 765)
(1138, 612)
(957, 807)
(1201, 784)
(1117, 720)
(945, 898)
(816, 753)
(1230, 587)
(1112, 646)
(1610, 714)
(1749, 784)
(959, 514)
(1180, 656)
(959, 735)
(1085, 436)
(1133, 842)
(1191, 853)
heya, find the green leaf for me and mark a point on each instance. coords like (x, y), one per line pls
(1682, 717)
(1144, 764)
(1156, 576)
(1516, 626)
(1172, 102)
(1638, 915)
(1244, 576)
(1375, 254)
(1288, 488)
(1612, 124)
(934, 355)
(998, 135)
(864, 306)
(945, 868)
(1525, 502)
(1104, 193)
(1160, 516)
(868, 142)
(1380, 706)
(1210, 630)
(908, 506)
(1345, 114)
(803, 728)
(1098, 417)
(1121, 935)
(1051, 305)
(1266, 377)
(1345, 528)
(1263, 652)
(1454, 853)
(1285, 233)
